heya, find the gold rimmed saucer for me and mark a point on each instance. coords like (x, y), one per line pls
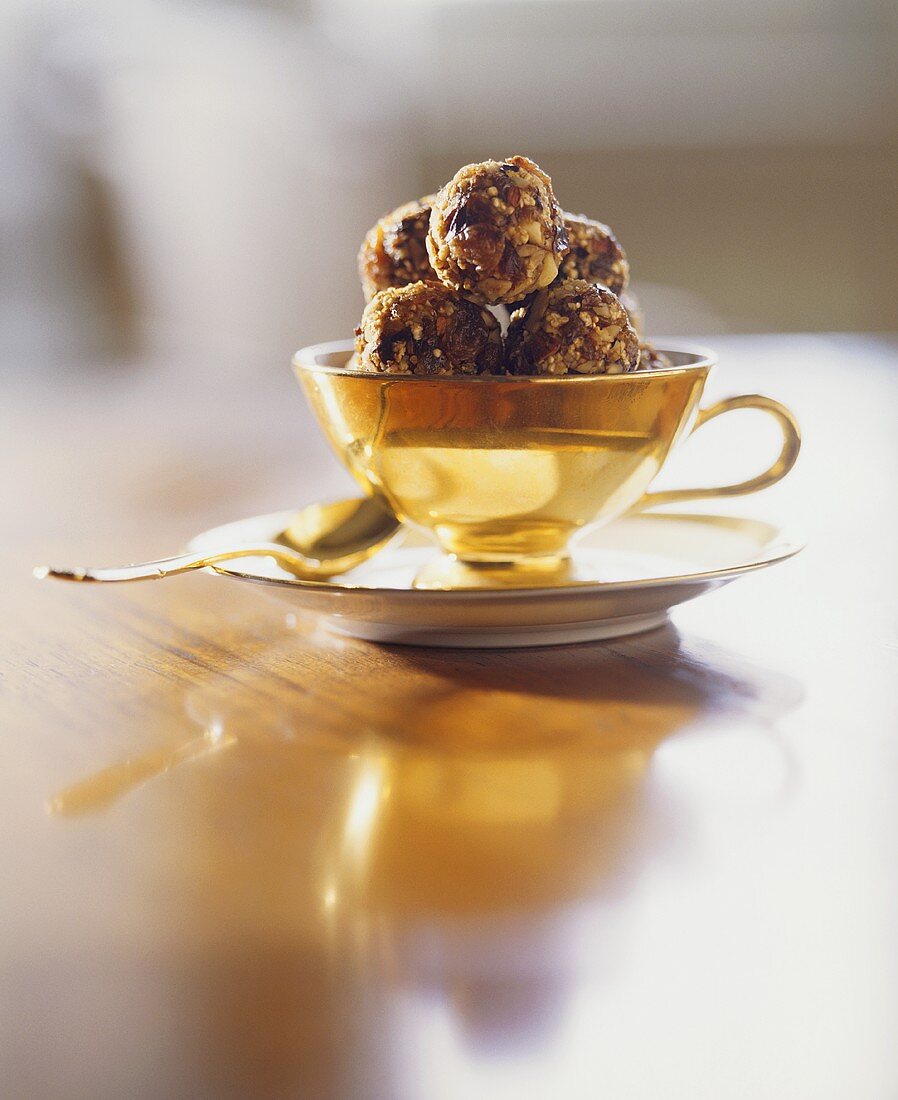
(626, 578)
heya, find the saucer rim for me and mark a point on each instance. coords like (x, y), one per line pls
(784, 544)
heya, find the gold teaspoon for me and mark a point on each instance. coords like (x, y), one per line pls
(321, 540)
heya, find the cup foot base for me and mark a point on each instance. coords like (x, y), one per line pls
(450, 572)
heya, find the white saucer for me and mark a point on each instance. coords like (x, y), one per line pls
(647, 563)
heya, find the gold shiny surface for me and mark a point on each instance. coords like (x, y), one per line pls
(323, 539)
(785, 460)
(508, 469)
(620, 579)
(290, 865)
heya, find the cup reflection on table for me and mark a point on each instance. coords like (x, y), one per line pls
(455, 847)
(350, 872)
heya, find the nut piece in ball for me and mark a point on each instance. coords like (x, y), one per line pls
(427, 329)
(573, 327)
(595, 254)
(394, 252)
(652, 359)
(496, 231)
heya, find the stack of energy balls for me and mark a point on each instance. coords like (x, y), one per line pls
(441, 274)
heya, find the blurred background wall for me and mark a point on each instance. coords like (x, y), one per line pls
(188, 182)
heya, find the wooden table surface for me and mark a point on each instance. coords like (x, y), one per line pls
(288, 865)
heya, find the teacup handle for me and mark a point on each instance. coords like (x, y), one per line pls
(776, 472)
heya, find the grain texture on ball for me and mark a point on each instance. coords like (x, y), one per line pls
(595, 254)
(632, 305)
(652, 359)
(394, 251)
(572, 327)
(496, 231)
(427, 329)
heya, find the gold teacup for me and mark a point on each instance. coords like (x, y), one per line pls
(504, 470)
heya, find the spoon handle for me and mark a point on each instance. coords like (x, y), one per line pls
(292, 561)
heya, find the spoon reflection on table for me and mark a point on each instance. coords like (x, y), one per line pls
(321, 540)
